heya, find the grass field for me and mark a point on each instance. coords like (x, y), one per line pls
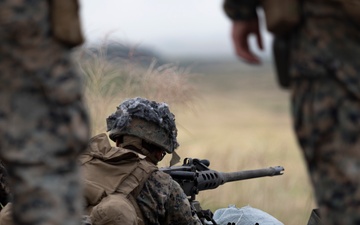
(242, 121)
(235, 116)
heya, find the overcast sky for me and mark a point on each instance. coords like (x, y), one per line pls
(170, 27)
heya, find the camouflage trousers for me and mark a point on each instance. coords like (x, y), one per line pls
(327, 123)
(43, 122)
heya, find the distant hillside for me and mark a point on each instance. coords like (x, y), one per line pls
(138, 55)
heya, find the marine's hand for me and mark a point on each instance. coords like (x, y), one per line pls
(241, 30)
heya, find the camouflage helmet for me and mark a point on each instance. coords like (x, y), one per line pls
(149, 120)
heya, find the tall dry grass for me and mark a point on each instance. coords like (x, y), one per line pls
(235, 117)
(108, 82)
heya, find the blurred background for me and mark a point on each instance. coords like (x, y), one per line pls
(233, 114)
(173, 28)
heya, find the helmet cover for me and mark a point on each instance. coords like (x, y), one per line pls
(146, 119)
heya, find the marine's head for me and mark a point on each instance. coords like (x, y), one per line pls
(143, 125)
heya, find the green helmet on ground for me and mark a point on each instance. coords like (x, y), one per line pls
(148, 120)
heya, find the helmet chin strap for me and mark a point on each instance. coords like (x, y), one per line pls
(175, 158)
(137, 143)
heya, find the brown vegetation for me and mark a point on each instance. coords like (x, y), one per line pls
(236, 117)
(109, 82)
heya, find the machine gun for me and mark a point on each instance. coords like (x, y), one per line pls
(195, 176)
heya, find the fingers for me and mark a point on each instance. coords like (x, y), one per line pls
(259, 39)
(243, 51)
(240, 33)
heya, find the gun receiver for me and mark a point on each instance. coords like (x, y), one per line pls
(195, 176)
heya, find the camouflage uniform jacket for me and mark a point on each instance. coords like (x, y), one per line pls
(43, 120)
(325, 88)
(312, 58)
(162, 201)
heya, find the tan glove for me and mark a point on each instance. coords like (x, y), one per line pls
(281, 16)
(65, 21)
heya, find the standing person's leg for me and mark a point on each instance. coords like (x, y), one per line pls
(43, 123)
(327, 123)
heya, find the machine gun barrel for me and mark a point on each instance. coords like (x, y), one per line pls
(249, 174)
(211, 179)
